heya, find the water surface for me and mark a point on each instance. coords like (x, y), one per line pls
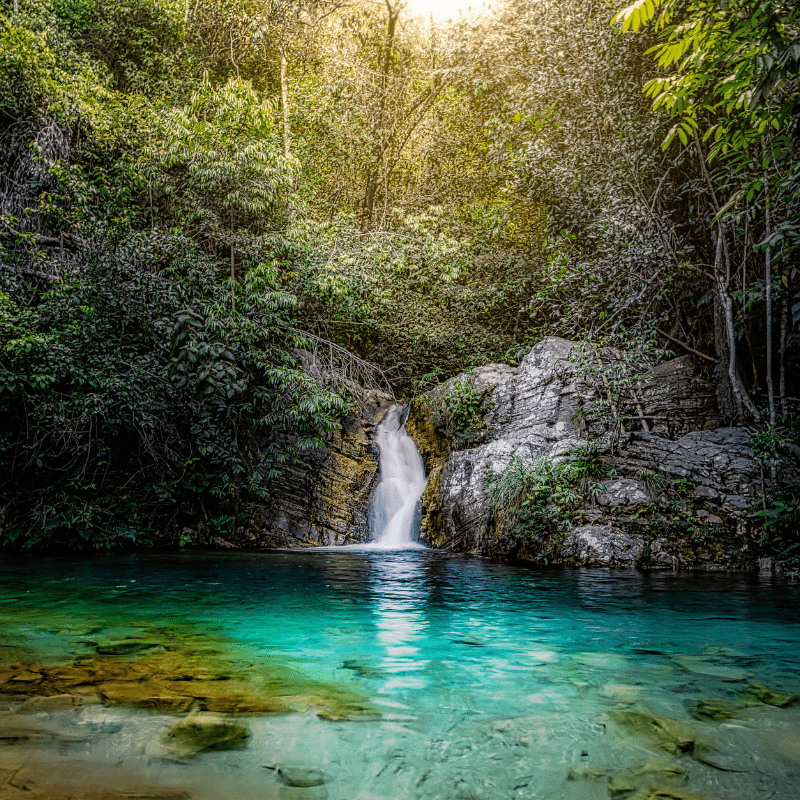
(484, 680)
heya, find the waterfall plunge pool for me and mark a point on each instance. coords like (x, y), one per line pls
(394, 675)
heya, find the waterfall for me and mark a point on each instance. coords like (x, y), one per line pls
(394, 508)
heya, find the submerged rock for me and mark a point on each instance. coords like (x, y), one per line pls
(716, 709)
(57, 702)
(758, 693)
(363, 670)
(661, 733)
(301, 777)
(584, 772)
(182, 676)
(669, 793)
(702, 666)
(648, 777)
(124, 648)
(200, 732)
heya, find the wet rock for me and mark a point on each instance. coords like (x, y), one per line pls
(301, 777)
(31, 779)
(758, 693)
(584, 772)
(178, 678)
(19, 730)
(601, 544)
(662, 733)
(784, 742)
(124, 648)
(297, 793)
(669, 793)
(715, 709)
(58, 702)
(702, 666)
(621, 693)
(721, 761)
(200, 732)
(648, 777)
(325, 499)
(343, 712)
(363, 670)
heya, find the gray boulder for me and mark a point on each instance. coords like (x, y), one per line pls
(670, 497)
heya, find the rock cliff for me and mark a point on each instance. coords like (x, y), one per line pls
(680, 494)
(325, 500)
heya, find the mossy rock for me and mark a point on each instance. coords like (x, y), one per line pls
(646, 777)
(668, 793)
(715, 709)
(363, 670)
(184, 678)
(758, 693)
(124, 648)
(200, 732)
(662, 733)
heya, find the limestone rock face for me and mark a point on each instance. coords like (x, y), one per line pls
(682, 469)
(325, 501)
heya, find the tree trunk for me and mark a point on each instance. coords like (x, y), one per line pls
(782, 355)
(768, 295)
(379, 144)
(768, 288)
(725, 304)
(287, 133)
(233, 270)
(722, 384)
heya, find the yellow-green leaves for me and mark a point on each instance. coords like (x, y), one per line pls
(637, 14)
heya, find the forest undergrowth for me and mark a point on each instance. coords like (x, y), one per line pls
(193, 194)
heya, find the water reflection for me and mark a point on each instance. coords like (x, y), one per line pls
(401, 617)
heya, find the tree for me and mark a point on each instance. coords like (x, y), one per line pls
(223, 149)
(733, 80)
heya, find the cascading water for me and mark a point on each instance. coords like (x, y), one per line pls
(394, 508)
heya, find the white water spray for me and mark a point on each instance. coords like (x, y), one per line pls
(394, 508)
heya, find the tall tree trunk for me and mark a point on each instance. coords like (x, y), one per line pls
(740, 397)
(782, 356)
(768, 297)
(233, 270)
(379, 134)
(738, 391)
(768, 288)
(287, 133)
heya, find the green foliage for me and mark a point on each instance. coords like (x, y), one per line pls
(532, 498)
(174, 207)
(120, 368)
(458, 409)
(617, 376)
(217, 164)
(463, 405)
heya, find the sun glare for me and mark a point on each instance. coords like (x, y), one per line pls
(442, 9)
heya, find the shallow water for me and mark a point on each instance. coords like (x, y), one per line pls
(489, 680)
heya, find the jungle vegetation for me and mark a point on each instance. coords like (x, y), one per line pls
(191, 193)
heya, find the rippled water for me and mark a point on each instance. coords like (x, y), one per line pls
(491, 680)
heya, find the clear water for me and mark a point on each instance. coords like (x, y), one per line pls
(492, 680)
